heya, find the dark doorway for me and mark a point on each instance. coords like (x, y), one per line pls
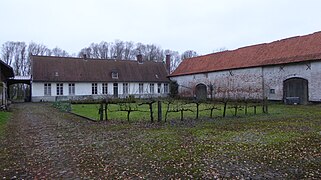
(201, 91)
(115, 90)
(19, 89)
(296, 87)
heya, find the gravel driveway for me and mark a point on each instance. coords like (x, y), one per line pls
(41, 142)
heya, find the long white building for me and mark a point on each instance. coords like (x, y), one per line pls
(66, 78)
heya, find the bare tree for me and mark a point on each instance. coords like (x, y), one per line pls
(38, 49)
(117, 50)
(59, 52)
(86, 51)
(188, 54)
(221, 49)
(103, 50)
(7, 51)
(129, 52)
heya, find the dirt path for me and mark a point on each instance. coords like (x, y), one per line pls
(41, 142)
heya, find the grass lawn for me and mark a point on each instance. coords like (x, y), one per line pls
(286, 143)
(4, 116)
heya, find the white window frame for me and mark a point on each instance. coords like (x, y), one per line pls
(114, 75)
(104, 88)
(47, 89)
(60, 89)
(125, 88)
(151, 88)
(166, 89)
(94, 88)
(71, 88)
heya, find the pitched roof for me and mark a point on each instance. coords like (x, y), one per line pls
(6, 69)
(290, 50)
(67, 69)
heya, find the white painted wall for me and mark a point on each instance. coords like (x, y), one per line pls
(227, 84)
(85, 89)
(274, 77)
(248, 82)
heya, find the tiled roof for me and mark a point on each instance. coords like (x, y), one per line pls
(290, 50)
(66, 69)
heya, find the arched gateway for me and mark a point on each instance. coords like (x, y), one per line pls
(201, 91)
(296, 87)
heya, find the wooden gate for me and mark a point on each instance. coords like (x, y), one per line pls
(296, 87)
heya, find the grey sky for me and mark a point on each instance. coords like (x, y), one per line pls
(200, 25)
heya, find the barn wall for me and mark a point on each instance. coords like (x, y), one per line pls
(235, 84)
(248, 82)
(274, 76)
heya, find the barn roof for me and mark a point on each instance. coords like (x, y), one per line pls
(68, 69)
(290, 50)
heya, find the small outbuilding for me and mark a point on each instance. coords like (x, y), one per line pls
(6, 72)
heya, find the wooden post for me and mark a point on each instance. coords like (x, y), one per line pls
(101, 112)
(106, 115)
(167, 111)
(224, 110)
(182, 115)
(245, 108)
(151, 112)
(159, 103)
(197, 109)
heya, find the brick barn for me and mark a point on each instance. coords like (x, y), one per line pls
(66, 78)
(281, 70)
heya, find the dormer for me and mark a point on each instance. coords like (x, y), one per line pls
(114, 74)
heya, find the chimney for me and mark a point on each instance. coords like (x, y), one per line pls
(139, 58)
(84, 56)
(168, 63)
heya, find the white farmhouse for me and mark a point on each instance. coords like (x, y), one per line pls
(281, 70)
(67, 78)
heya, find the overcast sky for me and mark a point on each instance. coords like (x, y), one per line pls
(200, 25)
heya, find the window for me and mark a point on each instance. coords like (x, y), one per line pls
(165, 88)
(141, 88)
(60, 89)
(71, 88)
(105, 88)
(151, 88)
(114, 75)
(159, 87)
(115, 89)
(47, 89)
(125, 88)
(272, 91)
(94, 88)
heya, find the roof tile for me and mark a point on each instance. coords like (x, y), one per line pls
(67, 69)
(290, 50)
